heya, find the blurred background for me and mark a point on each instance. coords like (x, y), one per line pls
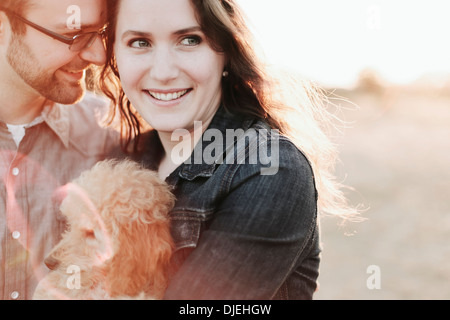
(390, 63)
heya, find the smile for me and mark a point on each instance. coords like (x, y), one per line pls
(74, 71)
(168, 96)
(73, 75)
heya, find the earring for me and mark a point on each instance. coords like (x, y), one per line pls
(225, 74)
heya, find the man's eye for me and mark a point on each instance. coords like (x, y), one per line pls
(140, 43)
(191, 41)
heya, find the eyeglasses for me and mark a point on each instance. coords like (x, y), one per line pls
(77, 43)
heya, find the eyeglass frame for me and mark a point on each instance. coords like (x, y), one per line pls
(67, 40)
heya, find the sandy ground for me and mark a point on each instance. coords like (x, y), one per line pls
(396, 154)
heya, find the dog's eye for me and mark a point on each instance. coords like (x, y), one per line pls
(89, 234)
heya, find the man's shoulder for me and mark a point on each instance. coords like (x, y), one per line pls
(89, 130)
(93, 109)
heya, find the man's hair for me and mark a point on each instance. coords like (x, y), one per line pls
(19, 7)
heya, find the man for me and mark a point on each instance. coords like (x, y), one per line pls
(49, 126)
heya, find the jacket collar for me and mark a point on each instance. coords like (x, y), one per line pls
(222, 121)
(57, 117)
(152, 149)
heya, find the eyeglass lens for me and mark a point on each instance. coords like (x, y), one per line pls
(83, 41)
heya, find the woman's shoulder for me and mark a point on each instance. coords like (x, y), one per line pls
(269, 160)
(267, 148)
(273, 168)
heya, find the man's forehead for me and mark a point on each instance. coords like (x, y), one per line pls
(63, 5)
(89, 13)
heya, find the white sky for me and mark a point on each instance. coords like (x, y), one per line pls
(330, 41)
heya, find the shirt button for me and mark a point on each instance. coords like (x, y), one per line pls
(15, 295)
(15, 172)
(16, 235)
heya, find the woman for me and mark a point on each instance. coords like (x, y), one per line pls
(244, 227)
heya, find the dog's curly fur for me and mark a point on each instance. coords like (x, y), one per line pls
(118, 236)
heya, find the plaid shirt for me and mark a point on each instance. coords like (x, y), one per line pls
(56, 148)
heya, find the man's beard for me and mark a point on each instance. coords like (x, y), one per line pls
(44, 82)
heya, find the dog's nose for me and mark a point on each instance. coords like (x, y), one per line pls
(51, 262)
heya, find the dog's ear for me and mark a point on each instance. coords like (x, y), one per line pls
(142, 260)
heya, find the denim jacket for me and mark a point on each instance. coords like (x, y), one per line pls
(242, 232)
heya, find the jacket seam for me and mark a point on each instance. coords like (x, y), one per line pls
(302, 247)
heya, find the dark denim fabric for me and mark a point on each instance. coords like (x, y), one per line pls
(240, 234)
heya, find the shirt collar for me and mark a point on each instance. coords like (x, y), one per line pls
(57, 117)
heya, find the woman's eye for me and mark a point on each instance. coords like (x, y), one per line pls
(191, 41)
(140, 43)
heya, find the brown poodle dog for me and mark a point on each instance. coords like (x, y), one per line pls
(118, 244)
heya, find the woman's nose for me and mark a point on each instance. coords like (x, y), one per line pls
(163, 65)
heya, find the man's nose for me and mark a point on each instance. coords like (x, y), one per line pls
(95, 53)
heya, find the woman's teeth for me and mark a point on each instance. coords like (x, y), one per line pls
(168, 96)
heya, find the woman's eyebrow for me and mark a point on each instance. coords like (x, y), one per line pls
(136, 33)
(188, 30)
(149, 34)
